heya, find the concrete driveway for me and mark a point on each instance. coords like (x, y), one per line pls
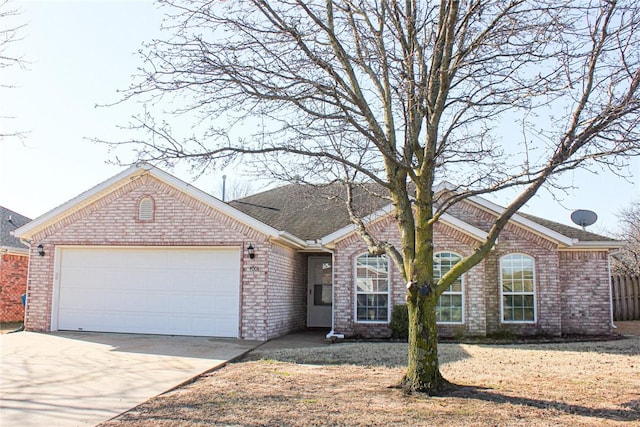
(82, 378)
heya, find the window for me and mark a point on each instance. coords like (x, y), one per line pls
(145, 209)
(449, 308)
(322, 274)
(517, 288)
(372, 288)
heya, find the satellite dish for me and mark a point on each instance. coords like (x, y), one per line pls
(583, 217)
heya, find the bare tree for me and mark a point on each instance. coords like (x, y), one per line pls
(488, 94)
(627, 260)
(9, 35)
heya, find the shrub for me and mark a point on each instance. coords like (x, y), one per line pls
(400, 322)
(459, 333)
(502, 334)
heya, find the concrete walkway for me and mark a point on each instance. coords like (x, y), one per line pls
(82, 379)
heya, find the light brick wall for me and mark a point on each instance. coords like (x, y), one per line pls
(287, 304)
(562, 303)
(446, 239)
(13, 283)
(472, 215)
(515, 239)
(254, 293)
(39, 289)
(179, 220)
(273, 284)
(345, 254)
(584, 279)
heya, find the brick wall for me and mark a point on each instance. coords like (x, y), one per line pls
(584, 278)
(345, 254)
(13, 283)
(273, 284)
(287, 304)
(446, 239)
(254, 293)
(515, 239)
(563, 305)
(179, 220)
(39, 289)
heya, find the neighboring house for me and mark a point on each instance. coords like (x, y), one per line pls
(14, 262)
(144, 252)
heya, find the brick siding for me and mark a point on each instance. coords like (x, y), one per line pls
(585, 287)
(13, 283)
(287, 296)
(571, 287)
(179, 220)
(563, 303)
(515, 239)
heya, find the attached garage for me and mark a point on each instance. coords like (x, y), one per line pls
(144, 252)
(152, 290)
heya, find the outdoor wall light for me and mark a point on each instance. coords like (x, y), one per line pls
(251, 251)
(40, 250)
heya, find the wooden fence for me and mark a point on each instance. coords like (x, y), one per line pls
(626, 297)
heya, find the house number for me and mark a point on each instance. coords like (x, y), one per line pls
(253, 268)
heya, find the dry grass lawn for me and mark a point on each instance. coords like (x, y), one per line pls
(584, 383)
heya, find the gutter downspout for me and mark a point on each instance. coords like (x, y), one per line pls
(332, 334)
(611, 289)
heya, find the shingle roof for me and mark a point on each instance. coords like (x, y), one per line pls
(312, 212)
(9, 221)
(567, 230)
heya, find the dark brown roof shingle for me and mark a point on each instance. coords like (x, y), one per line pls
(311, 212)
(307, 211)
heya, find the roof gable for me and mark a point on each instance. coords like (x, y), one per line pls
(135, 172)
(564, 235)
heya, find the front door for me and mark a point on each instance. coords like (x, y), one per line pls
(320, 292)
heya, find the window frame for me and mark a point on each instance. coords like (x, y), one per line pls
(533, 293)
(461, 293)
(356, 292)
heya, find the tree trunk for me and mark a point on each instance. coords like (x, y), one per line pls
(423, 371)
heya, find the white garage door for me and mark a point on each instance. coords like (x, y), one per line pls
(170, 291)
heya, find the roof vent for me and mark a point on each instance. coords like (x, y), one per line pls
(145, 209)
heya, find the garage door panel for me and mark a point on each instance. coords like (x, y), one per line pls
(222, 302)
(181, 300)
(122, 300)
(188, 291)
(79, 299)
(71, 317)
(202, 304)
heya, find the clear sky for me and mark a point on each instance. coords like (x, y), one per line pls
(82, 52)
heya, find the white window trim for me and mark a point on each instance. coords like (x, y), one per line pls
(462, 293)
(534, 293)
(356, 293)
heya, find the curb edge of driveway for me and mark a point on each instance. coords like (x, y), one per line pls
(188, 381)
(207, 371)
